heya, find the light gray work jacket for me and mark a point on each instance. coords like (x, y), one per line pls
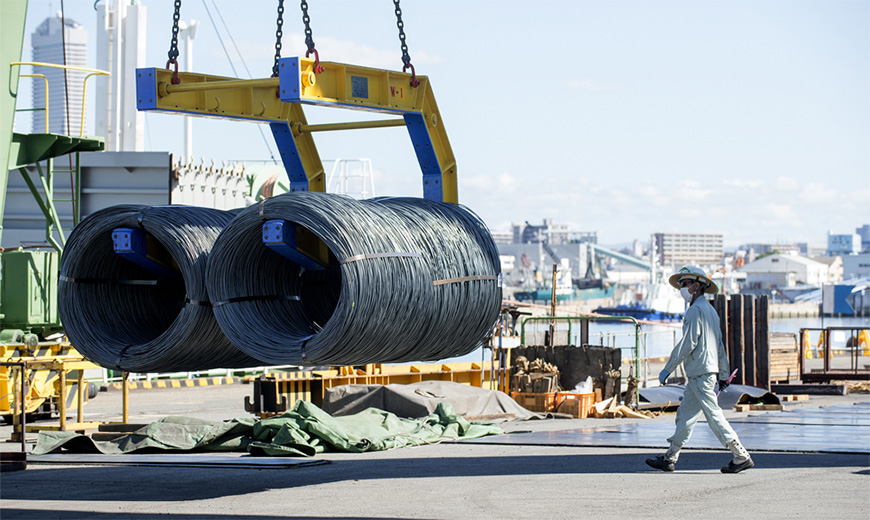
(701, 349)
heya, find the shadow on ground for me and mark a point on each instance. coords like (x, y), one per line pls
(151, 484)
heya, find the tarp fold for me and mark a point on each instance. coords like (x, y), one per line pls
(306, 430)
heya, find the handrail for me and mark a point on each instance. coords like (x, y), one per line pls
(94, 72)
(828, 373)
(45, 79)
(569, 319)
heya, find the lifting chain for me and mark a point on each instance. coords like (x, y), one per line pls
(279, 33)
(309, 40)
(406, 58)
(173, 46)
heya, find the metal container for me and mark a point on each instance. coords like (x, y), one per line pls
(29, 299)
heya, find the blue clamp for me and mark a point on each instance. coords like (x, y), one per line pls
(280, 236)
(132, 245)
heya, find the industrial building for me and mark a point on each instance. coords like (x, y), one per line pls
(676, 249)
(777, 271)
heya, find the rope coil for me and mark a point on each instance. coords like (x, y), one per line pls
(118, 316)
(384, 309)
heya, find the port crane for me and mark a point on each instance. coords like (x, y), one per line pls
(47, 373)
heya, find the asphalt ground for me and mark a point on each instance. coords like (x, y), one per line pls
(444, 481)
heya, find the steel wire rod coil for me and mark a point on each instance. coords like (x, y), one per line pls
(123, 316)
(407, 280)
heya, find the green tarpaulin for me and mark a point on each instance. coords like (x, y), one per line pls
(303, 431)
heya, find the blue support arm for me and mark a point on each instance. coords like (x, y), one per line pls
(280, 236)
(132, 245)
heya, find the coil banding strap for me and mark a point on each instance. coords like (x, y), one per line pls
(70, 279)
(277, 297)
(466, 279)
(367, 256)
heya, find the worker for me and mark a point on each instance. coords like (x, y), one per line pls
(702, 352)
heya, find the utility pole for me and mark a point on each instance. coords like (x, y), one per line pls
(553, 309)
(188, 32)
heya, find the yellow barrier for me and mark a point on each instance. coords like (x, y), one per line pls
(287, 388)
(864, 339)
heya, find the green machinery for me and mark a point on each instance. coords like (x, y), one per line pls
(28, 287)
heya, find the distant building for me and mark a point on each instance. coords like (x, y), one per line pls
(843, 244)
(835, 267)
(783, 271)
(64, 97)
(856, 266)
(864, 233)
(502, 237)
(812, 250)
(759, 249)
(553, 234)
(677, 249)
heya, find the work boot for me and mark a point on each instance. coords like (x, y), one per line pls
(661, 462)
(741, 460)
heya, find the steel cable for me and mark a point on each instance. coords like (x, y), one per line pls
(408, 280)
(122, 316)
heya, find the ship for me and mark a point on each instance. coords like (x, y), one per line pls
(653, 302)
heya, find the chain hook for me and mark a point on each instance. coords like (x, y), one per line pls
(175, 79)
(318, 68)
(309, 39)
(414, 81)
(173, 44)
(406, 58)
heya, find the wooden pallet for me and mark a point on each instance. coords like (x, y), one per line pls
(758, 407)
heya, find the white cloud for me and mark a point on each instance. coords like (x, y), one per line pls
(476, 181)
(744, 184)
(690, 213)
(786, 183)
(259, 55)
(502, 184)
(620, 198)
(817, 192)
(779, 215)
(589, 85)
(859, 199)
(653, 195)
(692, 190)
(348, 51)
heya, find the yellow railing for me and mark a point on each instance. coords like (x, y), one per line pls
(93, 72)
(45, 79)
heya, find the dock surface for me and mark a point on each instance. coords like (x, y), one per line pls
(444, 481)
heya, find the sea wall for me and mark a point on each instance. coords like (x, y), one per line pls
(793, 310)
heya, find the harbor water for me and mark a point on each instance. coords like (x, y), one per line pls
(655, 340)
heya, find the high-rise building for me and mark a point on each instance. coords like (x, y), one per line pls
(65, 95)
(677, 249)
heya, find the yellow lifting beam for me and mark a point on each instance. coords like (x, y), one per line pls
(278, 101)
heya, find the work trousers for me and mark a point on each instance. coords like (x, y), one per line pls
(700, 396)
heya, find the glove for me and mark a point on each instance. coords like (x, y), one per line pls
(723, 385)
(663, 376)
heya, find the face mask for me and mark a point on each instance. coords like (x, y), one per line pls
(684, 292)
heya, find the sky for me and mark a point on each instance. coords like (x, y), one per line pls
(745, 118)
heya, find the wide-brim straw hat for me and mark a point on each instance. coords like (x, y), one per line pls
(693, 272)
